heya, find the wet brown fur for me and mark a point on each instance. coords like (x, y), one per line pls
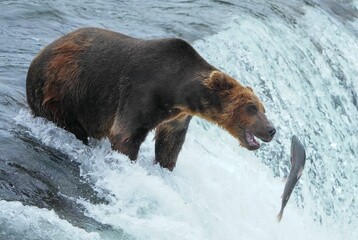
(61, 73)
(167, 132)
(98, 83)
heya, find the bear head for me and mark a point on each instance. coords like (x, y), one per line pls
(239, 111)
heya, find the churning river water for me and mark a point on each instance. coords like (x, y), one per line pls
(300, 57)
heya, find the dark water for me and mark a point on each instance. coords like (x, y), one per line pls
(36, 174)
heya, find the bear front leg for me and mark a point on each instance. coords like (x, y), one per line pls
(169, 139)
(129, 144)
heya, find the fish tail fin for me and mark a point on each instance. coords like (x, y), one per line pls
(279, 216)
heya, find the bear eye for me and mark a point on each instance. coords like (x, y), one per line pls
(252, 109)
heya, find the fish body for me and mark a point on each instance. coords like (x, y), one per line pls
(298, 160)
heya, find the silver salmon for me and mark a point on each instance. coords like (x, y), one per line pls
(298, 160)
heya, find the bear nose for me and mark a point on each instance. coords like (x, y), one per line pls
(271, 131)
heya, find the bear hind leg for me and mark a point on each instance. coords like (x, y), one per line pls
(169, 139)
(129, 144)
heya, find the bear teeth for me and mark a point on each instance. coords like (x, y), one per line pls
(251, 140)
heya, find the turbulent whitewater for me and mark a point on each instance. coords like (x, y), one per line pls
(300, 57)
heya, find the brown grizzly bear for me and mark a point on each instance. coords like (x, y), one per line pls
(98, 83)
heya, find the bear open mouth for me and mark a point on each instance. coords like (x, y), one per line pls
(251, 141)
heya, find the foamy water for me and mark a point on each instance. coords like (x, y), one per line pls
(217, 191)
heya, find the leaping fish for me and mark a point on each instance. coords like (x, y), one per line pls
(298, 160)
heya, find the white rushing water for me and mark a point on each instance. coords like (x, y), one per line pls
(25, 222)
(305, 72)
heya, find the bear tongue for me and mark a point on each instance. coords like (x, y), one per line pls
(250, 139)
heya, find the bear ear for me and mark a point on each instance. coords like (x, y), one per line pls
(218, 81)
(250, 88)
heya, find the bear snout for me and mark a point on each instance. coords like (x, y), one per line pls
(271, 131)
(267, 135)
